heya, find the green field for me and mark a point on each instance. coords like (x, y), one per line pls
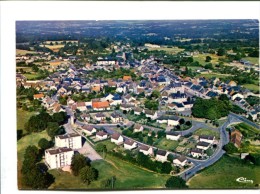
(253, 60)
(202, 57)
(22, 118)
(253, 87)
(247, 130)
(127, 176)
(167, 144)
(33, 76)
(22, 144)
(211, 75)
(207, 132)
(172, 50)
(24, 52)
(223, 175)
(110, 146)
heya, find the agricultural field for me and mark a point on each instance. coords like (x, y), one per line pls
(207, 132)
(32, 76)
(173, 50)
(252, 87)
(215, 176)
(127, 176)
(253, 60)
(54, 48)
(24, 52)
(202, 57)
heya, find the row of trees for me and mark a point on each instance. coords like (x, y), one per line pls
(34, 174)
(145, 161)
(81, 167)
(43, 120)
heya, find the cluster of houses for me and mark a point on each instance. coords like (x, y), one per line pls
(61, 154)
(205, 142)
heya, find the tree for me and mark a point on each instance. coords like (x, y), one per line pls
(230, 148)
(208, 66)
(208, 59)
(31, 157)
(176, 183)
(188, 123)
(223, 97)
(155, 94)
(44, 144)
(53, 129)
(170, 157)
(181, 121)
(221, 52)
(88, 174)
(78, 162)
(166, 167)
(37, 178)
(59, 117)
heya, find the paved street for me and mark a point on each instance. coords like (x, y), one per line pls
(89, 152)
(245, 120)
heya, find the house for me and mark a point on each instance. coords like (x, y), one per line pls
(100, 105)
(101, 135)
(146, 150)
(161, 156)
(137, 110)
(100, 116)
(236, 138)
(207, 138)
(196, 152)
(126, 107)
(81, 106)
(180, 161)
(253, 114)
(127, 78)
(203, 145)
(116, 117)
(70, 101)
(171, 135)
(237, 95)
(69, 140)
(138, 128)
(177, 97)
(117, 139)
(130, 144)
(232, 83)
(85, 116)
(151, 114)
(173, 120)
(116, 100)
(58, 157)
(57, 108)
(88, 129)
(38, 96)
(128, 98)
(176, 106)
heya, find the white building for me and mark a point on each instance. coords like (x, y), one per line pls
(161, 156)
(58, 157)
(130, 144)
(101, 135)
(138, 128)
(146, 150)
(180, 161)
(207, 139)
(70, 140)
(195, 152)
(203, 145)
(171, 135)
(117, 139)
(89, 130)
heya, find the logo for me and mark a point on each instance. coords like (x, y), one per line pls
(244, 180)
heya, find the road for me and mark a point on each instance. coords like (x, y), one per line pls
(245, 120)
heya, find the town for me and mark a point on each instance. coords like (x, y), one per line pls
(129, 105)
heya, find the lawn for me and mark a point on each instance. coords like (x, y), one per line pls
(32, 76)
(223, 175)
(22, 118)
(253, 87)
(127, 176)
(247, 130)
(167, 144)
(207, 132)
(22, 144)
(110, 146)
(254, 60)
(202, 57)
(211, 75)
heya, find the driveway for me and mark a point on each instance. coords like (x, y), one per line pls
(89, 152)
